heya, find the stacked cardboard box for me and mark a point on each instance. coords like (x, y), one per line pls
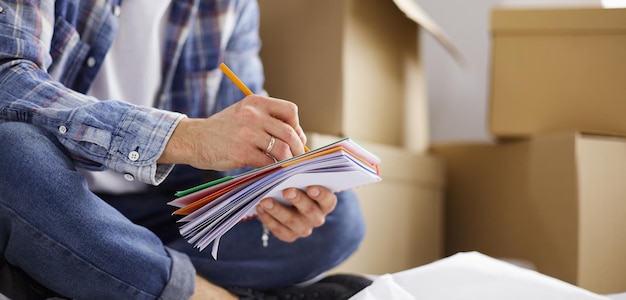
(558, 69)
(353, 68)
(550, 191)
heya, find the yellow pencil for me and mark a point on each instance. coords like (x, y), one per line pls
(235, 79)
(229, 73)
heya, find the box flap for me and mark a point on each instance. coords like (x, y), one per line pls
(414, 12)
(551, 3)
(558, 20)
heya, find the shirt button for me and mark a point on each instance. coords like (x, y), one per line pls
(129, 177)
(1, 9)
(117, 10)
(91, 61)
(133, 155)
(62, 129)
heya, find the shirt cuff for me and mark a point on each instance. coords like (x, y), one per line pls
(141, 139)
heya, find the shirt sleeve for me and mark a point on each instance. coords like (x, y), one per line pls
(242, 55)
(98, 134)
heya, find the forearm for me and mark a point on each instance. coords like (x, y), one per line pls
(98, 133)
(37, 54)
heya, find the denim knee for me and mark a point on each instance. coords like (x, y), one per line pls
(12, 135)
(68, 239)
(23, 144)
(26, 152)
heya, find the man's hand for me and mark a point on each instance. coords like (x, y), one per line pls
(309, 210)
(238, 136)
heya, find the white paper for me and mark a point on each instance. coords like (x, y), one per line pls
(470, 276)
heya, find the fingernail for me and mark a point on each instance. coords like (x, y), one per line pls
(314, 192)
(290, 194)
(268, 204)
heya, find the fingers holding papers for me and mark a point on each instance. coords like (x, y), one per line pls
(309, 210)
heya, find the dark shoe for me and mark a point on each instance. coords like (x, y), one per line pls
(334, 287)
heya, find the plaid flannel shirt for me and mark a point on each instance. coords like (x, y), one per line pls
(50, 52)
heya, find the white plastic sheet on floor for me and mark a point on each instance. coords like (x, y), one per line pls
(472, 275)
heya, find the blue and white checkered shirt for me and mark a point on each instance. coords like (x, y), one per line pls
(50, 52)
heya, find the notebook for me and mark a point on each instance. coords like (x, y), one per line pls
(213, 208)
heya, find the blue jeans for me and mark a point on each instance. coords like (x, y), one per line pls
(83, 245)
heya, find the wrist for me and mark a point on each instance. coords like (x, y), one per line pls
(174, 150)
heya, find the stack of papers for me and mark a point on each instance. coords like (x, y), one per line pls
(213, 208)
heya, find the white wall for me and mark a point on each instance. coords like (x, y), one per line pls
(458, 96)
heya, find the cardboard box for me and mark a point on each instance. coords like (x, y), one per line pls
(403, 212)
(558, 69)
(555, 200)
(353, 67)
